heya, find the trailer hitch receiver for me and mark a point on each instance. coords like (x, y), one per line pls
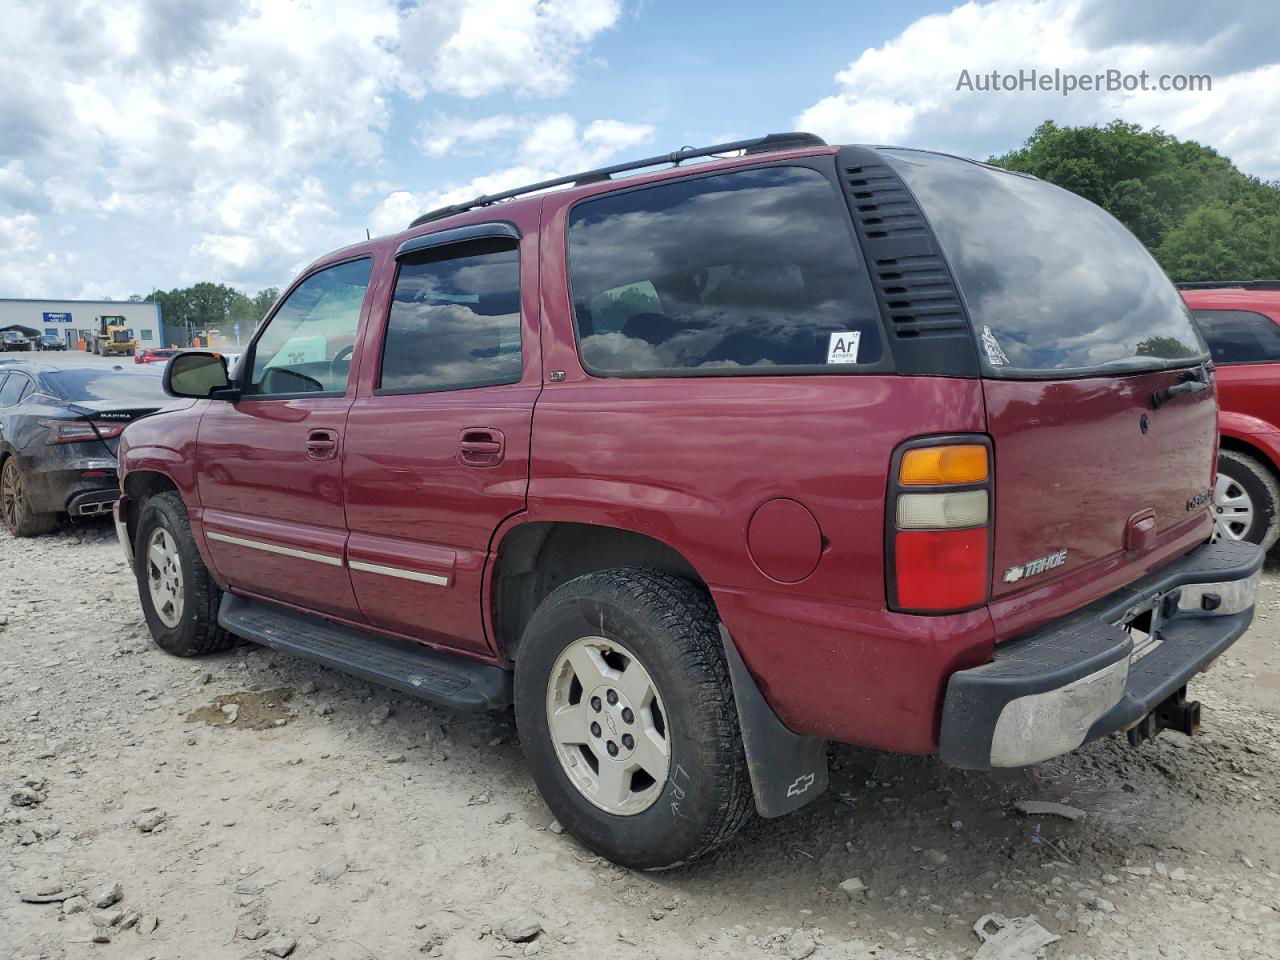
(1175, 712)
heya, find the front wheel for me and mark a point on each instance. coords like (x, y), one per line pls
(1246, 499)
(179, 597)
(627, 717)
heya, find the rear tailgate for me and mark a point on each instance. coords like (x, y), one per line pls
(1101, 473)
(1087, 472)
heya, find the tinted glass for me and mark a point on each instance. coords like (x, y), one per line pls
(12, 389)
(308, 342)
(89, 383)
(1054, 284)
(1239, 336)
(749, 271)
(455, 320)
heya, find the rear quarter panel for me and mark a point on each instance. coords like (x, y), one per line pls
(689, 460)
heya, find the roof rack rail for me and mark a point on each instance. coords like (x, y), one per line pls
(1220, 284)
(774, 141)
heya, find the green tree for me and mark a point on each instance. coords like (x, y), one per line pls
(211, 307)
(1201, 217)
(266, 299)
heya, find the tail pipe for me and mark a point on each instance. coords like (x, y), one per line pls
(94, 503)
(1175, 712)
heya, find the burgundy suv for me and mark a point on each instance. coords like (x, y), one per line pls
(706, 466)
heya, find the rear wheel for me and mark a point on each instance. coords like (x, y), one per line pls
(179, 597)
(1246, 498)
(627, 717)
(15, 504)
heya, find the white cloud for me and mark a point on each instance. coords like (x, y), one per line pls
(27, 268)
(528, 46)
(547, 147)
(441, 135)
(904, 91)
(262, 229)
(211, 118)
(16, 188)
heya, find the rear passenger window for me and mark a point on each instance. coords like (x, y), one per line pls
(13, 389)
(1239, 336)
(744, 272)
(455, 320)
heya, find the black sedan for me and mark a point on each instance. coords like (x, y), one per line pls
(49, 341)
(59, 427)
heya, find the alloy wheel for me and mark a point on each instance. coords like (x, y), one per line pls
(12, 504)
(164, 577)
(608, 725)
(1232, 509)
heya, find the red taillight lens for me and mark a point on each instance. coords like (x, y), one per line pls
(80, 431)
(939, 514)
(941, 570)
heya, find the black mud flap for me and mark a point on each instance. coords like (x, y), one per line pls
(787, 770)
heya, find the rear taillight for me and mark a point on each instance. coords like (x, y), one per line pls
(938, 534)
(80, 431)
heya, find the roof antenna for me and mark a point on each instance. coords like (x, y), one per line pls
(367, 235)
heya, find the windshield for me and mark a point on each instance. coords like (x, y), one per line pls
(126, 386)
(1054, 285)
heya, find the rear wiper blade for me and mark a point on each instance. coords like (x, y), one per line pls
(1191, 381)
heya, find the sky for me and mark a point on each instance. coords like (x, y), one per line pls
(158, 143)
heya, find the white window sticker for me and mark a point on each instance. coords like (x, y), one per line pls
(995, 355)
(843, 347)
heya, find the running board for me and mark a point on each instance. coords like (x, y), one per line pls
(414, 669)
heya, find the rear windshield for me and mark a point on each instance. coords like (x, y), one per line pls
(753, 271)
(87, 383)
(1055, 286)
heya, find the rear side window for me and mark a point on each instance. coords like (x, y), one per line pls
(1239, 336)
(10, 389)
(13, 389)
(455, 320)
(1054, 285)
(754, 271)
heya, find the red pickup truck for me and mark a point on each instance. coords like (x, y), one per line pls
(705, 460)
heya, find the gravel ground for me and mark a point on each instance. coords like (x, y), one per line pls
(253, 805)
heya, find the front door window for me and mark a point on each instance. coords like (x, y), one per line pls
(307, 345)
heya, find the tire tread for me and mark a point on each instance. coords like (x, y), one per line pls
(685, 617)
(207, 636)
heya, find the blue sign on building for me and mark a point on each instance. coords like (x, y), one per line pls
(57, 317)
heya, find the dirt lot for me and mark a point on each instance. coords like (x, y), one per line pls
(250, 802)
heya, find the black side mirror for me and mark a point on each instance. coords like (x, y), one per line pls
(199, 374)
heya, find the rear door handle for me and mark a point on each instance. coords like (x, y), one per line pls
(322, 445)
(481, 446)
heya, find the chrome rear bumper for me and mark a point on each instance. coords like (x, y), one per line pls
(1082, 678)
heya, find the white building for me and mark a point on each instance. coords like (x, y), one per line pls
(76, 320)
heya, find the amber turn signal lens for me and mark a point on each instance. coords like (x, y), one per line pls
(952, 463)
